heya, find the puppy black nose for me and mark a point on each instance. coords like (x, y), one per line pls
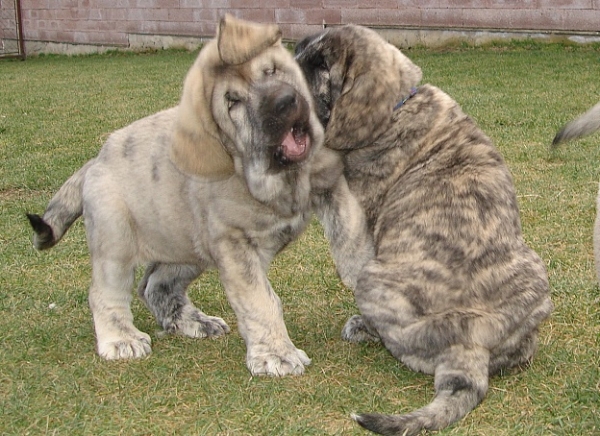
(284, 100)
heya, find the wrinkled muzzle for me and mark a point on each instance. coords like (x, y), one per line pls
(284, 115)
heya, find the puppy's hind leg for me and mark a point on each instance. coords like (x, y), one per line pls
(163, 289)
(516, 352)
(357, 330)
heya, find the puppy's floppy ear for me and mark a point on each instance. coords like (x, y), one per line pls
(196, 146)
(368, 77)
(240, 41)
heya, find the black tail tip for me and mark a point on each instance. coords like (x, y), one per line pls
(557, 139)
(382, 424)
(44, 236)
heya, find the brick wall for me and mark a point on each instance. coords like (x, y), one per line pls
(112, 22)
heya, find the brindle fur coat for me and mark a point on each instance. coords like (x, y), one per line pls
(452, 290)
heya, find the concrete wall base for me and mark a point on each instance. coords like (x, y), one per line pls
(437, 37)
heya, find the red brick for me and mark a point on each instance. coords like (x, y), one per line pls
(29, 14)
(46, 14)
(362, 16)
(210, 15)
(306, 4)
(111, 4)
(409, 17)
(34, 4)
(95, 14)
(147, 14)
(443, 18)
(328, 16)
(210, 4)
(47, 35)
(341, 4)
(274, 4)
(243, 4)
(156, 4)
(257, 15)
(565, 4)
(84, 25)
(421, 4)
(116, 15)
(65, 4)
(293, 16)
(586, 20)
(107, 25)
(296, 32)
(67, 14)
(400, 17)
(178, 15)
(28, 34)
(381, 4)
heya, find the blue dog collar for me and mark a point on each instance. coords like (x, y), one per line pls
(413, 91)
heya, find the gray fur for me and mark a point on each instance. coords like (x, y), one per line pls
(212, 183)
(452, 290)
(584, 125)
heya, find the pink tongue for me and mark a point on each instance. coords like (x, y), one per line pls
(291, 147)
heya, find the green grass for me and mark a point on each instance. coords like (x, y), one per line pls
(54, 114)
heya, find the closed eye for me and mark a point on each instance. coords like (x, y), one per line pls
(232, 100)
(320, 63)
(270, 71)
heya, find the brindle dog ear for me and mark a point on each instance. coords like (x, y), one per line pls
(240, 41)
(196, 146)
(362, 97)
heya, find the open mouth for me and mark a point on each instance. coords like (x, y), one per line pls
(294, 146)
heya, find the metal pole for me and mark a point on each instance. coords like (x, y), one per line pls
(20, 37)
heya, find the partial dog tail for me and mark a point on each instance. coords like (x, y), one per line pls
(584, 125)
(62, 211)
(461, 383)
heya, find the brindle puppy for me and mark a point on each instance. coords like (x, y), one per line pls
(453, 290)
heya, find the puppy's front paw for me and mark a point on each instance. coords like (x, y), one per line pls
(268, 362)
(196, 324)
(356, 330)
(133, 347)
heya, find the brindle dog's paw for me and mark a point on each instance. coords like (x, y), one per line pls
(196, 324)
(356, 330)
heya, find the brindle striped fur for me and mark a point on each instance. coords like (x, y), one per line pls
(453, 290)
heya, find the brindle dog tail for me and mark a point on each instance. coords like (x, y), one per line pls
(584, 125)
(461, 382)
(62, 211)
